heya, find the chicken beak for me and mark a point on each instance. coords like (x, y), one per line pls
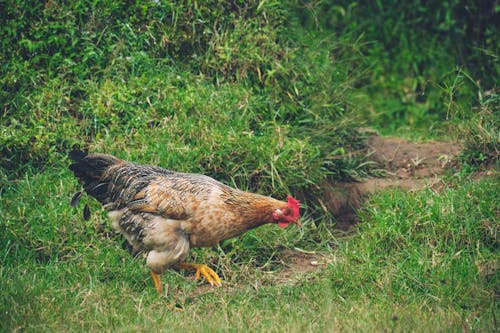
(297, 222)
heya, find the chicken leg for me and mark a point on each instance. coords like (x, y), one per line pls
(204, 270)
(156, 280)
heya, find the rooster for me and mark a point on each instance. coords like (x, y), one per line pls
(166, 213)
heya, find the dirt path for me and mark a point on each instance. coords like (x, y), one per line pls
(409, 166)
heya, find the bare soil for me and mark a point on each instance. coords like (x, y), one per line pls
(409, 166)
(297, 262)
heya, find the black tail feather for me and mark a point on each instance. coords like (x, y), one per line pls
(75, 200)
(89, 170)
(77, 155)
(86, 212)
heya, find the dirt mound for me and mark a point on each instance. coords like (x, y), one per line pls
(408, 165)
(405, 159)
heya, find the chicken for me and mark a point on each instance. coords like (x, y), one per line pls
(166, 213)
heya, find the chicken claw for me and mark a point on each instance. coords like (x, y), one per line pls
(201, 269)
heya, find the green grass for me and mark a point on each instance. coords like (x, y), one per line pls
(265, 96)
(420, 261)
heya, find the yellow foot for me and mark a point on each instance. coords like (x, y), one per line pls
(156, 280)
(204, 270)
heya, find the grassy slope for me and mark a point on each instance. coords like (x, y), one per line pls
(421, 261)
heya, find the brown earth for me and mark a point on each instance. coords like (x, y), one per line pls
(409, 166)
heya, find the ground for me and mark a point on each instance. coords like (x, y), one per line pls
(407, 165)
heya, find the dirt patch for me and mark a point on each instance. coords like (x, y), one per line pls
(297, 262)
(403, 159)
(408, 165)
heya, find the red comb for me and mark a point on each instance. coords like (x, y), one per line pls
(294, 206)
